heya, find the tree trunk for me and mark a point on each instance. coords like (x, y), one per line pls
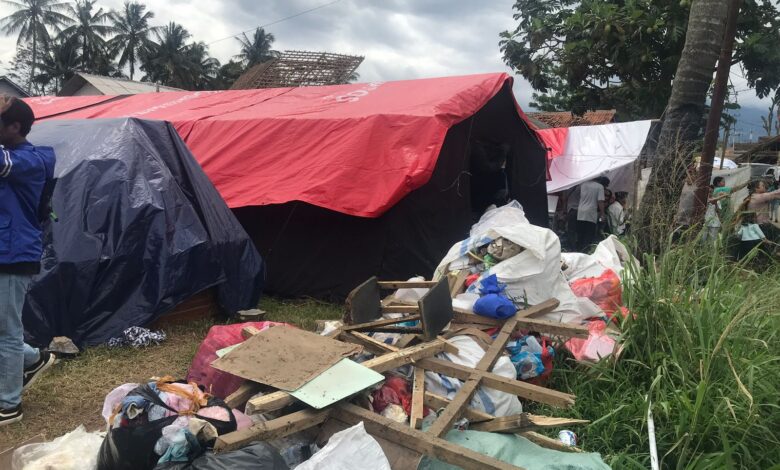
(726, 134)
(682, 124)
(34, 61)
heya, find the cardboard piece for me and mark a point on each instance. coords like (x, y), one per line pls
(284, 358)
(344, 379)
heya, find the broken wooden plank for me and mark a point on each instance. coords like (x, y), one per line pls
(418, 441)
(553, 328)
(474, 416)
(278, 400)
(403, 330)
(369, 343)
(246, 391)
(249, 331)
(458, 283)
(395, 285)
(274, 429)
(503, 384)
(379, 323)
(548, 442)
(523, 422)
(399, 309)
(418, 398)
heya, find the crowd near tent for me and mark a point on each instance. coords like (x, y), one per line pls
(338, 183)
(139, 228)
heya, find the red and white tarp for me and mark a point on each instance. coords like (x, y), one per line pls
(356, 149)
(578, 154)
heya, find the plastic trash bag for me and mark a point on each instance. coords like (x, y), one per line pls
(77, 450)
(350, 449)
(486, 399)
(604, 290)
(597, 346)
(256, 456)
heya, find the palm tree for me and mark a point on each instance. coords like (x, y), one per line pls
(167, 62)
(682, 123)
(91, 30)
(204, 67)
(59, 64)
(32, 20)
(132, 34)
(256, 50)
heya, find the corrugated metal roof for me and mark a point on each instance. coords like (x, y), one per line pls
(567, 119)
(111, 86)
(22, 92)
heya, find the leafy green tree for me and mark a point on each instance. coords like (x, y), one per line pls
(172, 61)
(227, 75)
(133, 34)
(257, 49)
(204, 67)
(623, 54)
(59, 64)
(32, 21)
(91, 30)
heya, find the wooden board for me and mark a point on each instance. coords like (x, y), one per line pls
(500, 383)
(246, 391)
(418, 441)
(278, 400)
(368, 326)
(436, 309)
(524, 422)
(418, 398)
(363, 303)
(459, 283)
(274, 429)
(285, 358)
(395, 285)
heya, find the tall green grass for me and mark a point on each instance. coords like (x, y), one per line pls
(702, 346)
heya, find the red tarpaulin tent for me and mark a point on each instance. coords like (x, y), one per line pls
(369, 150)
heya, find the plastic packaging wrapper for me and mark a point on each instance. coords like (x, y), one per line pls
(610, 253)
(531, 359)
(534, 275)
(77, 450)
(219, 383)
(597, 346)
(256, 456)
(140, 229)
(604, 291)
(486, 399)
(350, 449)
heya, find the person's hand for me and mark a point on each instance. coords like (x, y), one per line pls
(5, 102)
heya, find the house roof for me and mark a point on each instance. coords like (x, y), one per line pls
(567, 119)
(299, 68)
(765, 151)
(111, 86)
(22, 92)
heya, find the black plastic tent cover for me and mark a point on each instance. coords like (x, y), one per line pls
(140, 229)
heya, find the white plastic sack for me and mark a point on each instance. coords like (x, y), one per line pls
(411, 295)
(535, 274)
(77, 450)
(350, 449)
(609, 254)
(486, 399)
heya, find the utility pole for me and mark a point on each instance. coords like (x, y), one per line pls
(716, 110)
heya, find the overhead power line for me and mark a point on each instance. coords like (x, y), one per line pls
(277, 21)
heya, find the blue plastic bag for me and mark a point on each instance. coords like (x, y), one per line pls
(494, 306)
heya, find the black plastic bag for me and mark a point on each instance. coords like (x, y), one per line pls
(132, 448)
(257, 456)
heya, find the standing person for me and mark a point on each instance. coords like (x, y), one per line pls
(590, 210)
(572, 206)
(712, 222)
(616, 214)
(26, 180)
(758, 201)
(750, 235)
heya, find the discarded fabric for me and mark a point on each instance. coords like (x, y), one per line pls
(137, 337)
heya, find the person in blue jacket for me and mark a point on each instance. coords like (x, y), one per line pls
(26, 182)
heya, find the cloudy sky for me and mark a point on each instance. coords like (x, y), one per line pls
(400, 39)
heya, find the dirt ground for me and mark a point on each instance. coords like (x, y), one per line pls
(72, 392)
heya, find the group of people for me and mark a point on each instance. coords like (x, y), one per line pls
(593, 211)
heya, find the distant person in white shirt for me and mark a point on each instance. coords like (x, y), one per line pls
(590, 210)
(616, 214)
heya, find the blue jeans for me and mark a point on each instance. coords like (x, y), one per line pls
(15, 354)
